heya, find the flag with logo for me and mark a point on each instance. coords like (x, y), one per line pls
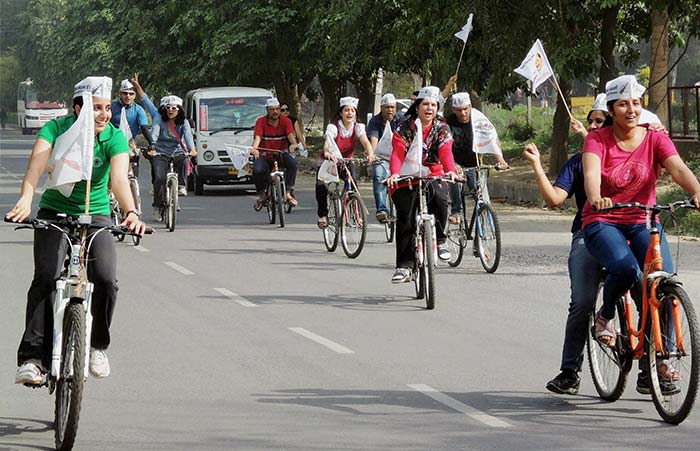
(328, 171)
(239, 155)
(124, 126)
(485, 139)
(73, 152)
(384, 147)
(535, 67)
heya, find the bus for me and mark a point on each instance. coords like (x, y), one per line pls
(222, 117)
(33, 111)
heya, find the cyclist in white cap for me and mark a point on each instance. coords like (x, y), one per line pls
(110, 165)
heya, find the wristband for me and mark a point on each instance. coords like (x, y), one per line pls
(138, 215)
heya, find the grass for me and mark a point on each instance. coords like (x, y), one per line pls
(689, 220)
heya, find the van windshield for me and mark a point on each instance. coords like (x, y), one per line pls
(230, 113)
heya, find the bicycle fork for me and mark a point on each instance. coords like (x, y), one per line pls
(61, 299)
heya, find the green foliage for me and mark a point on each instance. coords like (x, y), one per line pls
(689, 220)
(9, 74)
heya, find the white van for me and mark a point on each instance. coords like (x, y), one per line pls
(220, 117)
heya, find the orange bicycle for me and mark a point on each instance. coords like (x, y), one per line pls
(665, 337)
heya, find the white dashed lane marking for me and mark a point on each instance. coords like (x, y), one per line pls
(233, 296)
(180, 269)
(340, 349)
(459, 406)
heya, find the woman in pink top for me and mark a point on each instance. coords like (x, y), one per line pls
(619, 165)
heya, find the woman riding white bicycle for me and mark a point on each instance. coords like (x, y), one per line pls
(172, 138)
(435, 159)
(110, 164)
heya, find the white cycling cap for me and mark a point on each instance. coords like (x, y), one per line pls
(461, 100)
(126, 86)
(388, 99)
(349, 101)
(170, 100)
(272, 102)
(600, 103)
(624, 87)
(97, 86)
(430, 92)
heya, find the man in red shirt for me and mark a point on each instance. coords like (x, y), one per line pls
(274, 139)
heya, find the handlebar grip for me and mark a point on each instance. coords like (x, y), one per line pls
(25, 221)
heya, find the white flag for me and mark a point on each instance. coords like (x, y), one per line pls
(328, 171)
(414, 155)
(485, 136)
(238, 154)
(124, 126)
(73, 152)
(535, 67)
(384, 147)
(463, 34)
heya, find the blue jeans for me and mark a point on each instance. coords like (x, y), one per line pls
(607, 242)
(380, 171)
(456, 190)
(584, 275)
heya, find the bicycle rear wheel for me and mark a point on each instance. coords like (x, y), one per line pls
(171, 205)
(279, 199)
(674, 396)
(330, 232)
(487, 238)
(456, 240)
(69, 387)
(429, 265)
(136, 193)
(609, 366)
(353, 226)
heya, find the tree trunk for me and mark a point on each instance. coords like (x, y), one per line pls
(331, 88)
(560, 130)
(659, 64)
(365, 92)
(608, 41)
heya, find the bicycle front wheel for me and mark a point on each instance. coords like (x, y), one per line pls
(171, 206)
(429, 265)
(69, 387)
(136, 193)
(279, 199)
(330, 232)
(487, 238)
(390, 224)
(674, 373)
(353, 226)
(609, 365)
(456, 239)
(270, 204)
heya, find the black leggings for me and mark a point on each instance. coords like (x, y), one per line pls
(160, 165)
(406, 201)
(322, 189)
(50, 249)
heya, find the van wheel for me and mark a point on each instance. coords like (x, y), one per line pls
(198, 186)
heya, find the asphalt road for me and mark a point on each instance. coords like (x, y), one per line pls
(231, 333)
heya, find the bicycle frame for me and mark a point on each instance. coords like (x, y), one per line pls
(422, 216)
(654, 275)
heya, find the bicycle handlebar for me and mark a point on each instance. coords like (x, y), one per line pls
(71, 223)
(428, 178)
(686, 203)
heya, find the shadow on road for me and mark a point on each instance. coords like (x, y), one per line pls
(19, 427)
(352, 301)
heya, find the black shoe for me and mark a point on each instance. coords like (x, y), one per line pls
(566, 383)
(668, 388)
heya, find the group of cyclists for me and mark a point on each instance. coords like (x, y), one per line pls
(621, 159)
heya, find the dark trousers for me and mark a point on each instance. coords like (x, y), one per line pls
(50, 249)
(263, 167)
(406, 201)
(161, 165)
(322, 189)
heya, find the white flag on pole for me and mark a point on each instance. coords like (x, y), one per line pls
(463, 34)
(124, 126)
(485, 136)
(535, 67)
(238, 154)
(384, 147)
(414, 155)
(328, 171)
(73, 152)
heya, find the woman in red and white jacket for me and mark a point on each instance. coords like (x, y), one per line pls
(437, 160)
(345, 132)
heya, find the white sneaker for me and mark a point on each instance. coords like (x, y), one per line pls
(182, 191)
(99, 363)
(444, 252)
(157, 215)
(28, 373)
